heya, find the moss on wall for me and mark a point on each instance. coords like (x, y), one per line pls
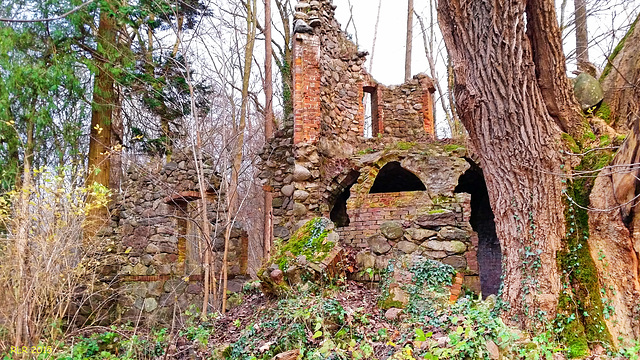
(310, 240)
(580, 317)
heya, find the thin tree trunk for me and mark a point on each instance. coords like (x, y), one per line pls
(409, 42)
(428, 49)
(268, 125)
(375, 36)
(117, 133)
(503, 109)
(22, 238)
(237, 156)
(582, 38)
(205, 239)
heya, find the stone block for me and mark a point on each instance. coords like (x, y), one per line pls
(299, 210)
(437, 219)
(456, 247)
(453, 233)
(419, 235)
(150, 304)
(379, 244)
(365, 260)
(301, 173)
(458, 262)
(391, 230)
(300, 195)
(174, 285)
(287, 190)
(406, 247)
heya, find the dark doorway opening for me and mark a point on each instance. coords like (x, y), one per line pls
(482, 222)
(338, 213)
(394, 178)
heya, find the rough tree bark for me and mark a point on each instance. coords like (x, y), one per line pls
(545, 38)
(502, 106)
(615, 233)
(621, 80)
(103, 102)
(513, 97)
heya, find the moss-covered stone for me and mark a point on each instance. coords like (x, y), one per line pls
(310, 240)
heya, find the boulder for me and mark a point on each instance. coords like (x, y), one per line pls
(588, 91)
(392, 314)
(453, 233)
(276, 276)
(420, 235)
(456, 247)
(407, 247)
(379, 244)
(391, 230)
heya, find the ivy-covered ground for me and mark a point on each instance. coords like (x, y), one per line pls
(334, 319)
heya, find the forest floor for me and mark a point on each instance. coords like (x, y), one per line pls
(334, 320)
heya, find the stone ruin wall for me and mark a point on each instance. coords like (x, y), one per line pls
(155, 262)
(329, 82)
(322, 151)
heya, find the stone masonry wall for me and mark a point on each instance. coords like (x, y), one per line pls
(329, 113)
(158, 254)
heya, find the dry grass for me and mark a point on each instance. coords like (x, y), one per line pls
(45, 264)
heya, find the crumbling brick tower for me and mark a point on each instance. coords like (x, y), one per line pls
(350, 133)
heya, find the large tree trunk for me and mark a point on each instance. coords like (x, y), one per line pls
(544, 35)
(621, 81)
(502, 106)
(104, 99)
(615, 221)
(582, 38)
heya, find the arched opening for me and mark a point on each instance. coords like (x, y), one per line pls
(482, 222)
(338, 213)
(394, 178)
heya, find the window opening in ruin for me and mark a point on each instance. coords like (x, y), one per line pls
(394, 178)
(339, 214)
(482, 222)
(187, 231)
(370, 103)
